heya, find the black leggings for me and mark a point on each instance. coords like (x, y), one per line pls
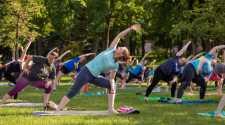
(189, 74)
(9, 77)
(131, 76)
(159, 75)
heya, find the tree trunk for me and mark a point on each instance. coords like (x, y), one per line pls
(194, 47)
(105, 39)
(135, 47)
(207, 45)
(131, 48)
(143, 46)
(13, 55)
(95, 45)
(17, 38)
(40, 46)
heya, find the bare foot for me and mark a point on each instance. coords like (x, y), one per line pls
(146, 98)
(113, 112)
(219, 115)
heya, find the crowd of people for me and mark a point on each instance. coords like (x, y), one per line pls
(114, 64)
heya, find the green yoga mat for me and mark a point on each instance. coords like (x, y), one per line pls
(211, 113)
(164, 97)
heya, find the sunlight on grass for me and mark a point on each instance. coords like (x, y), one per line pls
(152, 112)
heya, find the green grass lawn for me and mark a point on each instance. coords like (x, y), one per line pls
(152, 112)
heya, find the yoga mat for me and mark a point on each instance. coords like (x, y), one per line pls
(12, 100)
(24, 104)
(48, 113)
(189, 102)
(96, 93)
(7, 85)
(216, 90)
(205, 94)
(158, 98)
(132, 88)
(211, 113)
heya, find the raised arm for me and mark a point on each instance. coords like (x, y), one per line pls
(224, 56)
(61, 56)
(87, 54)
(153, 62)
(195, 57)
(51, 52)
(213, 50)
(190, 57)
(216, 55)
(133, 61)
(143, 58)
(24, 51)
(183, 49)
(123, 33)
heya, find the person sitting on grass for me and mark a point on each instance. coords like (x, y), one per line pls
(108, 59)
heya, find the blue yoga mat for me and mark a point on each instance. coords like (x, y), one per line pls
(216, 90)
(190, 102)
(7, 84)
(96, 93)
(211, 113)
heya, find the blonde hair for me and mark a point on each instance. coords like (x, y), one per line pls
(126, 56)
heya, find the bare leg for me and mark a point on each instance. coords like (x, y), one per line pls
(210, 82)
(123, 85)
(57, 79)
(111, 98)
(135, 81)
(5, 98)
(148, 81)
(9, 83)
(46, 98)
(82, 89)
(190, 89)
(220, 107)
(105, 90)
(63, 102)
(167, 88)
(140, 82)
(220, 88)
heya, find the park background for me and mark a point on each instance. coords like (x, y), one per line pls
(85, 26)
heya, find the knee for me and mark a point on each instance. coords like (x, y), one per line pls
(183, 84)
(12, 93)
(71, 94)
(48, 90)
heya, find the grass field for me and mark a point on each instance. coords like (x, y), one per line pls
(152, 112)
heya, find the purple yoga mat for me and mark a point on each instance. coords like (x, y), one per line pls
(24, 104)
(205, 94)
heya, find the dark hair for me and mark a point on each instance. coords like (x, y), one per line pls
(56, 50)
(54, 54)
(83, 62)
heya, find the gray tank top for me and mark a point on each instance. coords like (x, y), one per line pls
(220, 68)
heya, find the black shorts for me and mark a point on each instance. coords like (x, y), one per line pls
(64, 69)
(146, 74)
(119, 75)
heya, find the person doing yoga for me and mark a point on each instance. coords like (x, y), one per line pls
(108, 59)
(199, 72)
(169, 72)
